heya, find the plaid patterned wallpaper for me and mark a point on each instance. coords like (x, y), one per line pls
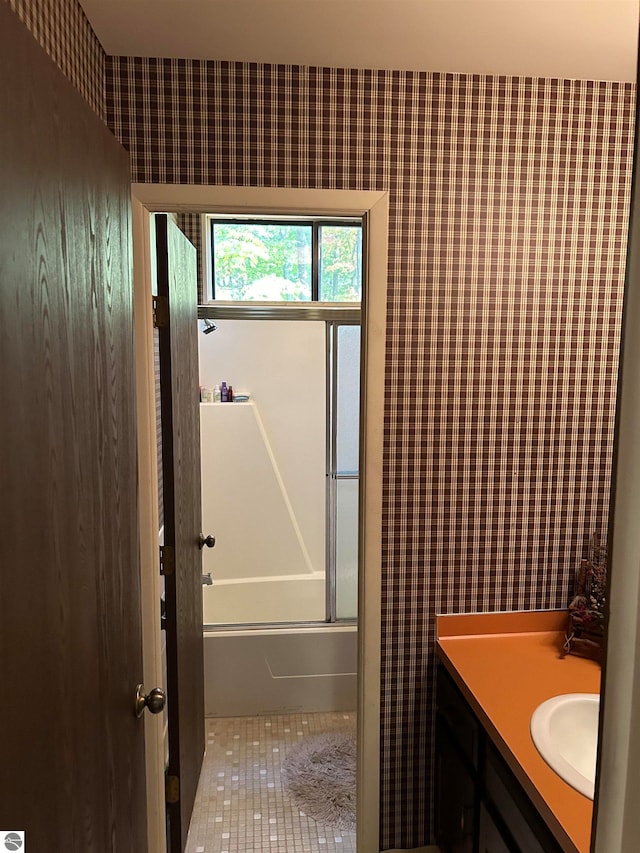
(191, 226)
(508, 223)
(64, 32)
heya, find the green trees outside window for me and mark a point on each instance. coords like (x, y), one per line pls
(278, 261)
(340, 263)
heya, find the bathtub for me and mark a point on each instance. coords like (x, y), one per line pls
(248, 672)
(294, 598)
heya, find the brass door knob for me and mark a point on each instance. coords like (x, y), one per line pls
(154, 700)
(209, 541)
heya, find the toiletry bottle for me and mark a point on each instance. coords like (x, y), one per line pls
(223, 393)
(216, 394)
(230, 394)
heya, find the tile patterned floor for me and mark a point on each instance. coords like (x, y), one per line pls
(240, 805)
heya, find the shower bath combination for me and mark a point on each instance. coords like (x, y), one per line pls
(265, 467)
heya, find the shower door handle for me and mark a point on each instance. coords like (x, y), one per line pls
(209, 541)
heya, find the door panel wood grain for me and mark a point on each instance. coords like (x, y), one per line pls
(71, 750)
(177, 276)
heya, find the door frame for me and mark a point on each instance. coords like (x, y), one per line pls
(373, 206)
(149, 522)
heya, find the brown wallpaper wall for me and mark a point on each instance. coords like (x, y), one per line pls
(191, 226)
(508, 221)
(64, 32)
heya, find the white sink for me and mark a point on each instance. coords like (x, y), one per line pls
(565, 732)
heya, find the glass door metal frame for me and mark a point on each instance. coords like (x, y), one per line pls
(333, 316)
(333, 475)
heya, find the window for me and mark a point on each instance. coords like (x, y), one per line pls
(303, 260)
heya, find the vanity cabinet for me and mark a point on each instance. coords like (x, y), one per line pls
(491, 840)
(455, 796)
(480, 805)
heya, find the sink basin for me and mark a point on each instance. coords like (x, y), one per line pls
(565, 732)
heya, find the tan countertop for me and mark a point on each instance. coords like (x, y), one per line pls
(506, 664)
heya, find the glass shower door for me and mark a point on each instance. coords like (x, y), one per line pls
(344, 477)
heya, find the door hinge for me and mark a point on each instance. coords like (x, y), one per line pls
(167, 560)
(172, 789)
(160, 311)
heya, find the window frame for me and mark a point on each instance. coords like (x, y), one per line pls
(315, 223)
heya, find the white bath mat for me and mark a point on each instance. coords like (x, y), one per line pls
(319, 774)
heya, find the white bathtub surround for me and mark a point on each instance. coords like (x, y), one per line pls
(263, 472)
(298, 598)
(280, 670)
(258, 535)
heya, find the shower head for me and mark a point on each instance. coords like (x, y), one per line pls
(209, 327)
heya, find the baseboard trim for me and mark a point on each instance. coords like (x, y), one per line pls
(431, 849)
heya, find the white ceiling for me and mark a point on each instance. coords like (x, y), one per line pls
(586, 39)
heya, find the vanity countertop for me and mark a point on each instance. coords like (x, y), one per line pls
(506, 664)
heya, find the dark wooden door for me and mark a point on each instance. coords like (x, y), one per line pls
(179, 394)
(72, 763)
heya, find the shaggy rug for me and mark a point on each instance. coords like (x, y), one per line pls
(319, 774)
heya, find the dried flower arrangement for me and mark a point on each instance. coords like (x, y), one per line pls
(585, 631)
